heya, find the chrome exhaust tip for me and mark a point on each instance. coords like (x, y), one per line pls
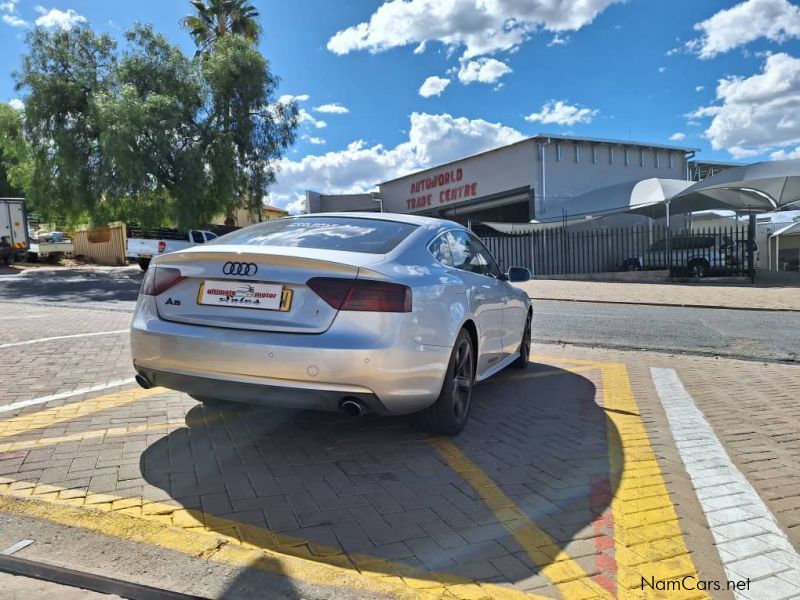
(352, 407)
(143, 381)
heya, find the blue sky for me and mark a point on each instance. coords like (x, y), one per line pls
(720, 76)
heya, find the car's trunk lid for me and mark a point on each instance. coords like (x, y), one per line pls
(261, 289)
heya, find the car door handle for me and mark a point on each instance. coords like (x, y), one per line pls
(480, 297)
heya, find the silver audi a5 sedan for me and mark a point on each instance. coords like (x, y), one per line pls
(357, 312)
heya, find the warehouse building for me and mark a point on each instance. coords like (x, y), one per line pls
(535, 178)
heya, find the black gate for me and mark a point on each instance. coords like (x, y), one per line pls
(561, 251)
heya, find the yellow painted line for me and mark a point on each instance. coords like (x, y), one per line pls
(554, 564)
(74, 410)
(648, 538)
(90, 435)
(167, 426)
(201, 535)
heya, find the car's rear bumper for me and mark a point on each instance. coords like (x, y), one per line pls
(370, 356)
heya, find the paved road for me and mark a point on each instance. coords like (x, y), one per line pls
(557, 462)
(734, 333)
(100, 287)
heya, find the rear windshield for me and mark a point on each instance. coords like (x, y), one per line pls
(349, 234)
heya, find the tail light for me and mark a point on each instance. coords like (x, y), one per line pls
(162, 245)
(362, 295)
(158, 280)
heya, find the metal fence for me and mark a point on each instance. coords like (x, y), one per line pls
(560, 251)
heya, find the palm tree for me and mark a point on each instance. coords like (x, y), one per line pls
(216, 18)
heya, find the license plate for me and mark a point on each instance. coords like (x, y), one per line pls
(244, 294)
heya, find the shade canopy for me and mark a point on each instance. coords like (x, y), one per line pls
(757, 188)
(791, 229)
(645, 196)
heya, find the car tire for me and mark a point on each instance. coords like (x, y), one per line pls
(524, 346)
(698, 268)
(448, 415)
(631, 264)
(144, 263)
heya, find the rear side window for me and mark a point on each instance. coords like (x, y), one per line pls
(349, 234)
(470, 255)
(441, 250)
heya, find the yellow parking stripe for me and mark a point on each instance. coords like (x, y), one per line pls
(167, 426)
(73, 410)
(554, 564)
(214, 538)
(648, 538)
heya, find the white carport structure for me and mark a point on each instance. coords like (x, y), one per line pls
(786, 239)
(647, 197)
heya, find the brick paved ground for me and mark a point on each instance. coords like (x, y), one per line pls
(43, 368)
(567, 482)
(694, 294)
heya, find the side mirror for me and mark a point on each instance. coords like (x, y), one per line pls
(518, 274)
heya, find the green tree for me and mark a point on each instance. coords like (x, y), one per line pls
(62, 73)
(217, 18)
(14, 153)
(152, 135)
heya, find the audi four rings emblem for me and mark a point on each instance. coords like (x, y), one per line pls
(239, 268)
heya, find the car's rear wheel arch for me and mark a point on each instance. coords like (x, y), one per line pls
(469, 325)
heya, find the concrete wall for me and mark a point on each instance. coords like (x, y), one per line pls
(555, 170)
(595, 165)
(316, 202)
(460, 182)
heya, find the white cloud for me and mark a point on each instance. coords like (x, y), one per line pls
(15, 21)
(559, 40)
(312, 140)
(482, 70)
(433, 86)
(10, 16)
(561, 113)
(303, 116)
(662, 69)
(699, 88)
(432, 140)
(286, 98)
(783, 154)
(479, 26)
(759, 113)
(776, 20)
(58, 18)
(332, 108)
(17, 104)
(677, 136)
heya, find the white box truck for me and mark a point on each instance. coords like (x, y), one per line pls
(14, 243)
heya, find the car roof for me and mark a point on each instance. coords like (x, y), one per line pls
(396, 217)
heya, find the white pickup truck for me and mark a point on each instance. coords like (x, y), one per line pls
(144, 246)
